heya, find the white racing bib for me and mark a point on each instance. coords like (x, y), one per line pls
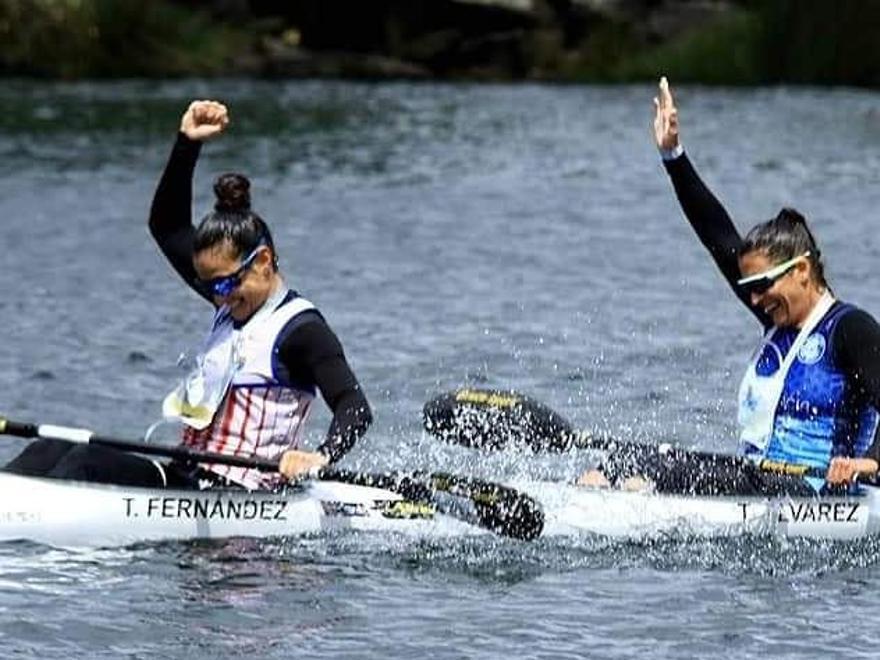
(197, 398)
(759, 394)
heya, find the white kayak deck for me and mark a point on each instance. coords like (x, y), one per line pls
(613, 513)
(67, 513)
(75, 514)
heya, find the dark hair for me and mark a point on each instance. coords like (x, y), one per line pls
(232, 219)
(785, 237)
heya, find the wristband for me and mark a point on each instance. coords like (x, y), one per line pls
(672, 154)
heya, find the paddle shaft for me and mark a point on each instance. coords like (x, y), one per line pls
(495, 419)
(84, 436)
(584, 440)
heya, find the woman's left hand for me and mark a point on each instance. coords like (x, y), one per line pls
(844, 470)
(665, 117)
(296, 463)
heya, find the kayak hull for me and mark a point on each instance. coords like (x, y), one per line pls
(68, 513)
(77, 514)
(619, 514)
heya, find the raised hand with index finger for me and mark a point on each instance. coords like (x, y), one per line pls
(665, 118)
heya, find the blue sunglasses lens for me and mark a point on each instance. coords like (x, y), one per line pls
(223, 286)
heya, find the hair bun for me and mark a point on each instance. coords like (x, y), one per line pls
(233, 193)
(793, 216)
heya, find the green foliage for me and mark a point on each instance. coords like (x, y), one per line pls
(597, 59)
(819, 41)
(754, 42)
(763, 41)
(727, 51)
(76, 38)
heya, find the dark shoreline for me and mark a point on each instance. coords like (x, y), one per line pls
(715, 42)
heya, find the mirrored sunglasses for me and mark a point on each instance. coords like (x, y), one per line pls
(761, 282)
(225, 284)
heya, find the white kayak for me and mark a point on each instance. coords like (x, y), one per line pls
(638, 515)
(77, 514)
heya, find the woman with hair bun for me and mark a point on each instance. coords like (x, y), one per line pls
(269, 351)
(252, 381)
(811, 392)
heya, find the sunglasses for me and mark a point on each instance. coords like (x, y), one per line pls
(225, 284)
(761, 282)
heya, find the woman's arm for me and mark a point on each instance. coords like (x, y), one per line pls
(170, 214)
(171, 211)
(704, 212)
(856, 349)
(312, 354)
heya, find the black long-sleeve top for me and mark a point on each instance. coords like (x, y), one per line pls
(855, 343)
(309, 350)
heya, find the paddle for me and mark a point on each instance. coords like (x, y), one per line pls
(495, 419)
(493, 506)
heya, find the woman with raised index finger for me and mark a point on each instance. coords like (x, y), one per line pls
(810, 394)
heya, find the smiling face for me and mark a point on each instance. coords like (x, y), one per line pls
(791, 297)
(256, 280)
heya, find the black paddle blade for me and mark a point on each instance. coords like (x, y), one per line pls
(498, 508)
(502, 509)
(495, 419)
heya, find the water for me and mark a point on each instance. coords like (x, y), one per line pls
(523, 237)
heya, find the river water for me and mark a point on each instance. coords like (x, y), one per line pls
(510, 236)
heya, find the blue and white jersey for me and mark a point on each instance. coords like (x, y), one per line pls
(796, 404)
